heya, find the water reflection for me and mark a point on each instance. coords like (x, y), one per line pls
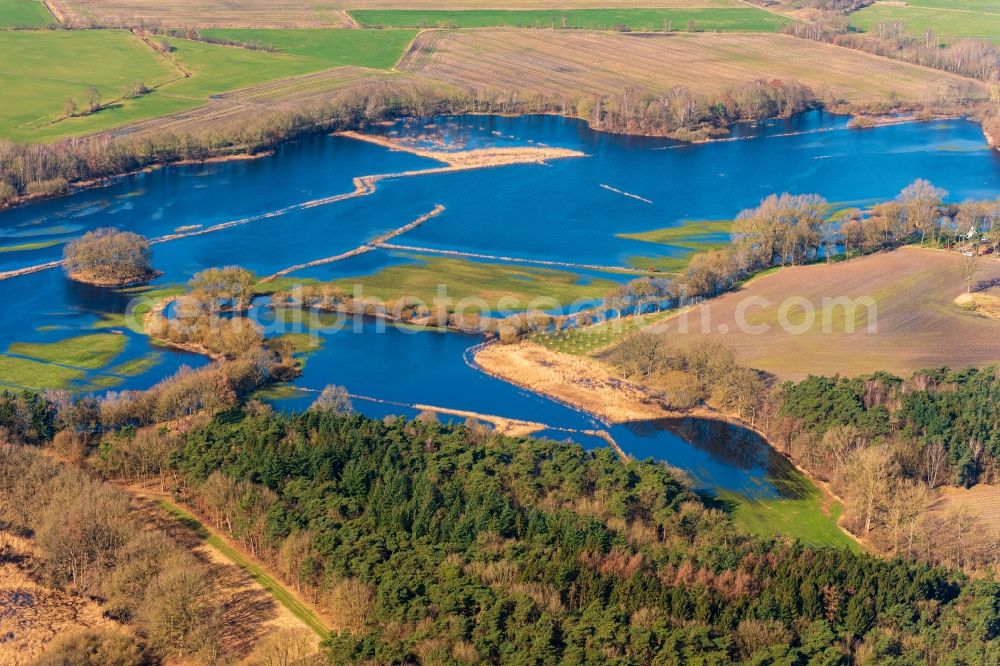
(717, 455)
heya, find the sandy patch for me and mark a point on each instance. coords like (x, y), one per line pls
(583, 382)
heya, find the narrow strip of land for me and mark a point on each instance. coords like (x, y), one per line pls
(364, 185)
(625, 194)
(361, 249)
(585, 383)
(508, 259)
(504, 425)
(477, 158)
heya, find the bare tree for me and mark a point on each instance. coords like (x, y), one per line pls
(935, 463)
(968, 268)
(334, 400)
(181, 614)
(870, 475)
(93, 99)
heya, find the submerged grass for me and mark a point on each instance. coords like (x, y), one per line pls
(138, 366)
(689, 237)
(37, 245)
(36, 375)
(87, 352)
(500, 286)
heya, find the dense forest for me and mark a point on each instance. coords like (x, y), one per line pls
(952, 416)
(440, 544)
(437, 544)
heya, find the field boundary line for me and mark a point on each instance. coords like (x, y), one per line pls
(56, 14)
(981, 85)
(185, 74)
(906, 7)
(774, 11)
(249, 564)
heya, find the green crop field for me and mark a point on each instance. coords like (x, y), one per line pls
(53, 66)
(41, 69)
(24, 14)
(728, 19)
(950, 21)
(333, 48)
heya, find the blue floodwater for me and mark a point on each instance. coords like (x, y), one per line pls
(555, 212)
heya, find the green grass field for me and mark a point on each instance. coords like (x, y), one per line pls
(379, 49)
(40, 70)
(804, 518)
(36, 375)
(254, 570)
(949, 20)
(474, 279)
(24, 14)
(728, 19)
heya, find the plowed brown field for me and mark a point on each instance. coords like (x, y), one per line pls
(202, 13)
(917, 323)
(571, 62)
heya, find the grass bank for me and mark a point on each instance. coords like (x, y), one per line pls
(810, 517)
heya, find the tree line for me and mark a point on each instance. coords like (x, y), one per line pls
(795, 229)
(975, 58)
(46, 169)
